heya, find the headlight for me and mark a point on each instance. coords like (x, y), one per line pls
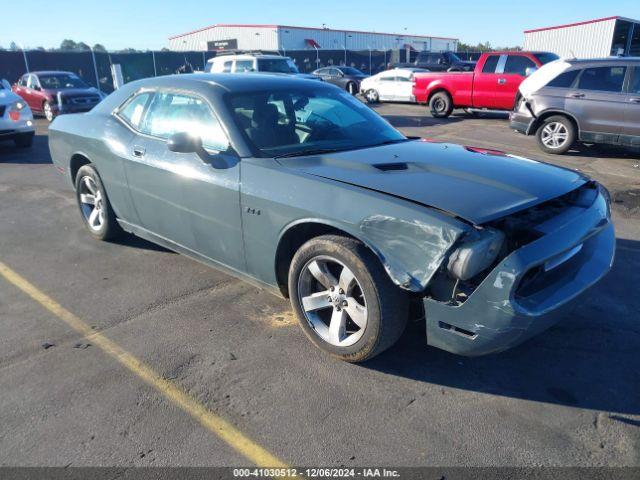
(476, 254)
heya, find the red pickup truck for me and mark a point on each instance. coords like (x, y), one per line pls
(492, 85)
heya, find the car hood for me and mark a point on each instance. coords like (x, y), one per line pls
(474, 184)
(73, 91)
(307, 76)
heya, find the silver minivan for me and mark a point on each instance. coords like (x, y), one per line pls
(589, 101)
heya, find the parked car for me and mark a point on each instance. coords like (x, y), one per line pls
(337, 210)
(493, 85)
(440, 62)
(16, 119)
(52, 93)
(254, 62)
(348, 78)
(590, 101)
(395, 85)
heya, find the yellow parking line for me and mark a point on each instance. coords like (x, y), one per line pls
(223, 429)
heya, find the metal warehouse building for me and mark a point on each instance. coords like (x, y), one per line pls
(594, 38)
(282, 38)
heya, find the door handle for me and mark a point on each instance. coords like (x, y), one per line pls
(577, 95)
(502, 81)
(138, 151)
(634, 100)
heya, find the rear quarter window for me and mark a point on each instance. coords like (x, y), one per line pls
(518, 64)
(491, 64)
(564, 80)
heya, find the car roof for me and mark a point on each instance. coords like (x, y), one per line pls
(234, 82)
(51, 72)
(245, 55)
(600, 61)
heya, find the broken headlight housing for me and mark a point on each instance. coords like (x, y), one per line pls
(475, 254)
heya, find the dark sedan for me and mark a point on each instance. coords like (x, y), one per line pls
(302, 189)
(348, 78)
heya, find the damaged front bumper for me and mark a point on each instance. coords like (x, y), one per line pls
(530, 289)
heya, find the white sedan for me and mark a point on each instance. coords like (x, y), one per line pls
(16, 119)
(394, 85)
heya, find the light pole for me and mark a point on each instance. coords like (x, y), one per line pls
(95, 67)
(345, 47)
(284, 50)
(24, 54)
(369, 46)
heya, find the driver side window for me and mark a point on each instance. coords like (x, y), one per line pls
(171, 113)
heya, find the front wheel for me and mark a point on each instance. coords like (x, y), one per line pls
(95, 208)
(372, 96)
(47, 109)
(441, 105)
(556, 135)
(344, 300)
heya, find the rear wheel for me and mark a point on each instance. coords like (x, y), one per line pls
(556, 134)
(441, 105)
(344, 300)
(351, 88)
(95, 208)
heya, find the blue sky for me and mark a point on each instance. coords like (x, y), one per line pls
(147, 24)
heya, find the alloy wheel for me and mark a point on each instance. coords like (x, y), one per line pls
(48, 112)
(554, 135)
(332, 301)
(92, 203)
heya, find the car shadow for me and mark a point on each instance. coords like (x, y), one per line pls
(37, 154)
(603, 151)
(132, 241)
(588, 360)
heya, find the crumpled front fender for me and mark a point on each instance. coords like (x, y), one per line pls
(411, 250)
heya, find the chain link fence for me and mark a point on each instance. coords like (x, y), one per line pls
(13, 64)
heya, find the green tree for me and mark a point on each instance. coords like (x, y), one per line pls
(98, 47)
(13, 47)
(82, 46)
(68, 44)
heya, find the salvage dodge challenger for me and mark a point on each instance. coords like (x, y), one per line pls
(298, 187)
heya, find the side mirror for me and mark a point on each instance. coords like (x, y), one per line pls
(530, 70)
(37, 87)
(183, 142)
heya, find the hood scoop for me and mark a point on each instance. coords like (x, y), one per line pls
(391, 167)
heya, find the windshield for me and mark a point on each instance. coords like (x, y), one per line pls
(277, 65)
(545, 58)
(308, 120)
(351, 71)
(58, 81)
(453, 57)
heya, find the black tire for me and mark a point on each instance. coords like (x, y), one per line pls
(549, 124)
(352, 88)
(441, 105)
(24, 140)
(109, 227)
(387, 305)
(372, 96)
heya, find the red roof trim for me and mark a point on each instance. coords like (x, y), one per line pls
(304, 28)
(573, 24)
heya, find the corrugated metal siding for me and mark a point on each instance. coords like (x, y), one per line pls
(279, 38)
(584, 41)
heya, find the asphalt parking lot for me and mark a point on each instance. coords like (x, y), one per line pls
(570, 396)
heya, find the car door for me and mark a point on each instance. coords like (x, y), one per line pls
(335, 77)
(190, 200)
(599, 103)
(630, 131)
(30, 94)
(486, 81)
(386, 86)
(403, 88)
(513, 73)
